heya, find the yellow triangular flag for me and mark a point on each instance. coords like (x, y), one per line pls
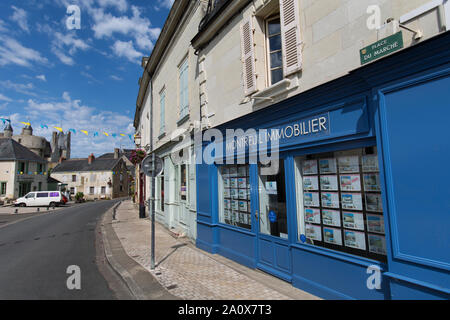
(26, 123)
(84, 131)
(122, 135)
(106, 134)
(59, 129)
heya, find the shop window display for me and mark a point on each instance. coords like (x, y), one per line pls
(340, 203)
(234, 196)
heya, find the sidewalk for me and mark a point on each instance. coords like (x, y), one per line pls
(192, 274)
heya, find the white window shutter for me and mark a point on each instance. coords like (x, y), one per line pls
(248, 56)
(290, 36)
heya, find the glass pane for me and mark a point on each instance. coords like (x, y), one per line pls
(275, 43)
(274, 26)
(272, 204)
(234, 196)
(275, 59)
(276, 75)
(340, 202)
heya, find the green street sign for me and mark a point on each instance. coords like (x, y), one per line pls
(381, 48)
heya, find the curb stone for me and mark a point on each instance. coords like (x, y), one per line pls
(137, 291)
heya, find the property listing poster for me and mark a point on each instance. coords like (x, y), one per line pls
(311, 199)
(375, 223)
(312, 215)
(351, 201)
(374, 202)
(310, 183)
(350, 182)
(309, 167)
(331, 235)
(371, 182)
(353, 220)
(348, 164)
(331, 217)
(330, 199)
(329, 183)
(355, 239)
(327, 165)
(313, 232)
(377, 244)
(370, 163)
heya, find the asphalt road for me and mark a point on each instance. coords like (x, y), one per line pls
(35, 254)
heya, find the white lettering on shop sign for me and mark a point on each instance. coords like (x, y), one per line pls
(302, 128)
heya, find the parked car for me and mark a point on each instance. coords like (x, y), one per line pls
(41, 198)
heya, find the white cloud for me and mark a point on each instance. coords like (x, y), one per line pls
(42, 77)
(106, 25)
(20, 17)
(116, 78)
(165, 3)
(18, 87)
(12, 52)
(4, 98)
(60, 113)
(2, 26)
(62, 57)
(127, 50)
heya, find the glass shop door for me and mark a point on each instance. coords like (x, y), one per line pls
(274, 255)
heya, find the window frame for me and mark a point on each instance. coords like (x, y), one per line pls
(162, 111)
(271, 17)
(5, 185)
(183, 84)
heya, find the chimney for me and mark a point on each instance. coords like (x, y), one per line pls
(116, 153)
(91, 158)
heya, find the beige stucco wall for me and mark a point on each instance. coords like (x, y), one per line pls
(333, 32)
(7, 174)
(166, 77)
(85, 180)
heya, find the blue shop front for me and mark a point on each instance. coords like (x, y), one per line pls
(359, 206)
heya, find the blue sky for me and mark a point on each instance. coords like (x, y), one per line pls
(76, 79)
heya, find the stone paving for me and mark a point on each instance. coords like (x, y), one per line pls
(187, 271)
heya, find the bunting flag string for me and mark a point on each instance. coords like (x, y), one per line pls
(74, 131)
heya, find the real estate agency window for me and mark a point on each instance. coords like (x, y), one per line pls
(234, 195)
(274, 50)
(339, 202)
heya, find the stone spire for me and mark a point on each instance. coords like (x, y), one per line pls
(8, 131)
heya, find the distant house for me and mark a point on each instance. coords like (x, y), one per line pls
(21, 170)
(124, 154)
(96, 178)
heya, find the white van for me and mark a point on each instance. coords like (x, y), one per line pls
(41, 198)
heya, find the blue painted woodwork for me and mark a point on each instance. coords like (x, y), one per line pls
(401, 104)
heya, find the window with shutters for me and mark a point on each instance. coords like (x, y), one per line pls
(183, 86)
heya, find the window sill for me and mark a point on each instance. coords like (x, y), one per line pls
(183, 120)
(161, 135)
(274, 90)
